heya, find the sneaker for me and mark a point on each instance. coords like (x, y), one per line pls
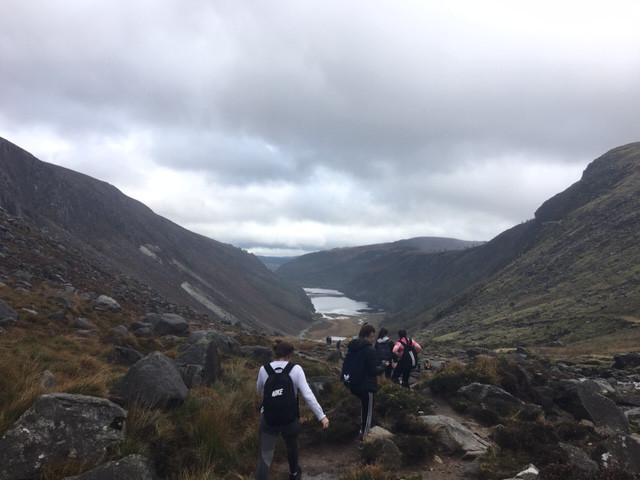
(297, 475)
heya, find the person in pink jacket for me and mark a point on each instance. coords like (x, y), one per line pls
(405, 362)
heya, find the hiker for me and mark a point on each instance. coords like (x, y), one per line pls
(384, 347)
(366, 387)
(271, 420)
(404, 349)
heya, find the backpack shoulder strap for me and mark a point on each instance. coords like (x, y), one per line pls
(269, 369)
(288, 368)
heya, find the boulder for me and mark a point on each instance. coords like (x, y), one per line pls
(455, 438)
(490, 397)
(60, 426)
(107, 303)
(120, 330)
(620, 450)
(626, 360)
(259, 353)
(124, 356)
(212, 367)
(629, 399)
(191, 375)
(167, 323)
(82, 323)
(199, 363)
(151, 382)
(224, 343)
(8, 315)
(584, 401)
(579, 459)
(47, 379)
(133, 467)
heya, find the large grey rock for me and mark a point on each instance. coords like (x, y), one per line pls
(106, 302)
(261, 354)
(167, 323)
(224, 343)
(212, 367)
(626, 360)
(490, 397)
(199, 363)
(454, 437)
(579, 459)
(124, 356)
(584, 401)
(8, 315)
(133, 467)
(57, 427)
(151, 382)
(622, 451)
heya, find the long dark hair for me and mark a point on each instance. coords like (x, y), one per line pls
(402, 333)
(383, 332)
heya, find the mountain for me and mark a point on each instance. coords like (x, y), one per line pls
(569, 274)
(578, 277)
(273, 263)
(111, 239)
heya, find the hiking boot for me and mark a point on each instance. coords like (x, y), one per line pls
(297, 475)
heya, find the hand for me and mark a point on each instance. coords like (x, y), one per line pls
(325, 423)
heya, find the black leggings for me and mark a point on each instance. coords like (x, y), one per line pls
(366, 411)
(403, 372)
(267, 437)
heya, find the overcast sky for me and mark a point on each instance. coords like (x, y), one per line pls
(287, 127)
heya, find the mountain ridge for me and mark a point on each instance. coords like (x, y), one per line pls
(185, 267)
(501, 290)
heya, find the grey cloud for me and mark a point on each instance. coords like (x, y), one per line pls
(364, 112)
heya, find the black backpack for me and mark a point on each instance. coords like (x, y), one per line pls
(409, 357)
(385, 350)
(280, 402)
(353, 367)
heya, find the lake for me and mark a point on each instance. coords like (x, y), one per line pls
(332, 303)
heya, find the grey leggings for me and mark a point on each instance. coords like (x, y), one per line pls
(267, 437)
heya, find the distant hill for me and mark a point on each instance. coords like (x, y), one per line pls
(273, 263)
(110, 236)
(569, 274)
(389, 275)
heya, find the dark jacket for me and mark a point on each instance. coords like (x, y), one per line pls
(372, 364)
(384, 349)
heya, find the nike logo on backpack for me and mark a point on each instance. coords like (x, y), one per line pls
(277, 393)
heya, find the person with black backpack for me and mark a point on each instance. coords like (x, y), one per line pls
(384, 347)
(280, 382)
(360, 369)
(406, 351)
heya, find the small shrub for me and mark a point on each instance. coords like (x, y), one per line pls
(414, 448)
(447, 381)
(484, 416)
(533, 437)
(394, 401)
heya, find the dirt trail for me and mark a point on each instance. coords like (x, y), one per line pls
(332, 462)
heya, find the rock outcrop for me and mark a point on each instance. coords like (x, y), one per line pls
(57, 427)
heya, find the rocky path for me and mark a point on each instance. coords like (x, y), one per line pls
(332, 462)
